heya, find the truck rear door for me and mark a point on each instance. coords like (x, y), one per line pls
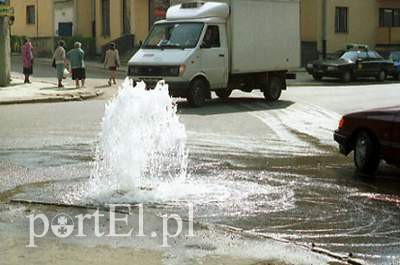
(214, 56)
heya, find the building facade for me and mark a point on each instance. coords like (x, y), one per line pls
(324, 23)
(124, 21)
(372, 22)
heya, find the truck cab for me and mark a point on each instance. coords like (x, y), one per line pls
(192, 51)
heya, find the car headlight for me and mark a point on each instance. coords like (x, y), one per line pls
(332, 68)
(182, 68)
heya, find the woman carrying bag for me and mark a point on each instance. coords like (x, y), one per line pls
(112, 62)
(59, 62)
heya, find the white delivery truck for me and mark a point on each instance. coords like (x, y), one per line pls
(221, 46)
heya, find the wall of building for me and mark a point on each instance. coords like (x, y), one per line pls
(43, 26)
(310, 17)
(84, 17)
(363, 23)
(140, 20)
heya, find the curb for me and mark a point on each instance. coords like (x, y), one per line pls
(54, 99)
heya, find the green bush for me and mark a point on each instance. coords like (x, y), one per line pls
(88, 44)
(16, 43)
(43, 45)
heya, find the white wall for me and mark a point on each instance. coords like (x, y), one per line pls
(63, 13)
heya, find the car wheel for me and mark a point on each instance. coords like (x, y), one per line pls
(381, 76)
(223, 93)
(317, 77)
(347, 77)
(366, 154)
(274, 90)
(197, 93)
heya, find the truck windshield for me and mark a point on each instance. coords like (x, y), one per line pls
(174, 36)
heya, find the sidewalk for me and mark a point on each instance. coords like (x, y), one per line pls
(42, 91)
(89, 63)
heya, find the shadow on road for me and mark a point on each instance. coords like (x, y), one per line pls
(232, 105)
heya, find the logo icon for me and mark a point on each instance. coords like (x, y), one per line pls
(62, 225)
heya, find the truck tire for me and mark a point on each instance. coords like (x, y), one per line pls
(381, 76)
(397, 76)
(274, 90)
(223, 93)
(366, 154)
(197, 93)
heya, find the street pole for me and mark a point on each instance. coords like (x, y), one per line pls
(5, 51)
(324, 30)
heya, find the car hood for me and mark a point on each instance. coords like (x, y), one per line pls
(160, 57)
(335, 62)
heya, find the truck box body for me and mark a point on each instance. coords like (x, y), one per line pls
(264, 35)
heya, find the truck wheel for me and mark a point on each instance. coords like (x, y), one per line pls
(317, 77)
(381, 76)
(347, 77)
(197, 93)
(274, 90)
(397, 76)
(366, 154)
(223, 93)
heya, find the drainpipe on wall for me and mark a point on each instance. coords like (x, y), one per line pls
(324, 29)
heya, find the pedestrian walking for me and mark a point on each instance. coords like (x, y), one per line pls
(27, 59)
(112, 62)
(59, 62)
(76, 58)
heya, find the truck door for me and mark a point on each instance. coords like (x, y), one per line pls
(214, 56)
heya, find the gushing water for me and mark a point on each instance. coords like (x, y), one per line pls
(142, 142)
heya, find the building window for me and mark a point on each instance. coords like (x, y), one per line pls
(389, 17)
(341, 19)
(30, 15)
(105, 15)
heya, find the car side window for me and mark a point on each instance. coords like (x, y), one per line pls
(211, 38)
(373, 55)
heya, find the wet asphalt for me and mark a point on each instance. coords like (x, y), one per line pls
(269, 169)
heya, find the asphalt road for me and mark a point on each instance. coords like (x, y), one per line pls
(267, 168)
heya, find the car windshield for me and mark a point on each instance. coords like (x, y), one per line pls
(395, 56)
(174, 36)
(352, 55)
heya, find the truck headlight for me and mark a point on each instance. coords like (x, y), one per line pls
(182, 68)
(309, 65)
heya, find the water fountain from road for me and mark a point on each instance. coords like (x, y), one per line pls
(142, 142)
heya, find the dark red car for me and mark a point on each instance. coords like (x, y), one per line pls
(372, 135)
